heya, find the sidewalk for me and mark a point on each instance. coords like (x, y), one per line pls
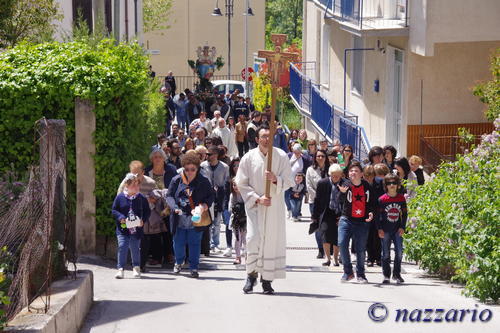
(310, 299)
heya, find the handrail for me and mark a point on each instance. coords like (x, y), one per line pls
(305, 98)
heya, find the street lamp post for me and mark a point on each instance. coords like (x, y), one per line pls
(229, 5)
(229, 14)
(248, 13)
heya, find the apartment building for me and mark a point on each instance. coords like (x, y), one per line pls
(400, 69)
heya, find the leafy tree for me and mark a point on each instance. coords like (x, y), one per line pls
(6, 9)
(284, 17)
(155, 14)
(27, 20)
(81, 31)
(489, 92)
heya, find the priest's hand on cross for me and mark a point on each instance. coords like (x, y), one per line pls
(264, 201)
(271, 177)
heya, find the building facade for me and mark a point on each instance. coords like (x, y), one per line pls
(192, 25)
(401, 67)
(121, 18)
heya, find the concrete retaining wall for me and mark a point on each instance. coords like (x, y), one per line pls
(69, 304)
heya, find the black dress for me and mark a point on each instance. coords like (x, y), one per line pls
(322, 213)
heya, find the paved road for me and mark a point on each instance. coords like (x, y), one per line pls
(310, 299)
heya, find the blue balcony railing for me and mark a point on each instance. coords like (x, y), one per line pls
(330, 120)
(369, 14)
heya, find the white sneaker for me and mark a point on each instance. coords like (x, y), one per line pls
(228, 252)
(120, 274)
(288, 214)
(177, 268)
(216, 250)
(137, 272)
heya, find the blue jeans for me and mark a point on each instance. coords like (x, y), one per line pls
(126, 242)
(386, 253)
(215, 231)
(358, 231)
(192, 238)
(182, 121)
(296, 205)
(287, 199)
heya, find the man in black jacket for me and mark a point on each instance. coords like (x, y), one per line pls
(194, 108)
(170, 83)
(169, 110)
(252, 129)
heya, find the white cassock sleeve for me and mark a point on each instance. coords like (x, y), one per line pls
(242, 179)
(284, 172)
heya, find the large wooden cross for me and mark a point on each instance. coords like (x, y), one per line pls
(278, 63)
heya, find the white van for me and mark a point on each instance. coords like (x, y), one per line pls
(229, 86)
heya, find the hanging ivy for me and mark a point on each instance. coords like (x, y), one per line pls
(44, 80)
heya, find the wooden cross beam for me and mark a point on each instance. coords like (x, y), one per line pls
(278, 63)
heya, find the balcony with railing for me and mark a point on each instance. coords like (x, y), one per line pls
(331, 121)
(381, 17)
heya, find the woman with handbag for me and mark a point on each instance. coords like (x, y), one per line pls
(189, 196)
(130, 210)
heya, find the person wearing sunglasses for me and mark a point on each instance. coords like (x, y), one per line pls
(391, 226)
(312, 148)
(187, 190)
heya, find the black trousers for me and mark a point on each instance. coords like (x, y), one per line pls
(205, 242)
(373, 245)
(158, 245)
(242, 148)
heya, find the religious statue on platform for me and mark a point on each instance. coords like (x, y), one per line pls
(205, 65)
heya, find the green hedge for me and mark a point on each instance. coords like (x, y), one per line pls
(454, 224)
(43, 81)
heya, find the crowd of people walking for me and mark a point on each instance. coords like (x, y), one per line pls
(207, 170)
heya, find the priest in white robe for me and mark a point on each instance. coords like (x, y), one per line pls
(228, 139)
(266, 234)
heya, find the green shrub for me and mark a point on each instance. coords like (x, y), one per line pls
(454, 221)
(44, 80)
(291, 116)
